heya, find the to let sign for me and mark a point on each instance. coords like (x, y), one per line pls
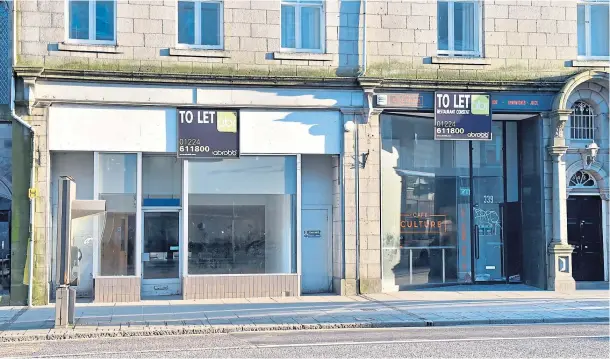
(462, 116)
(204, 133)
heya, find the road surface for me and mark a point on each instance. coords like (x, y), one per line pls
(566, 340)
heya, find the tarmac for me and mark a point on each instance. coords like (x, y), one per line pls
(448, 306)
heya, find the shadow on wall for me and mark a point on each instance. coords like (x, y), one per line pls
(349, 36)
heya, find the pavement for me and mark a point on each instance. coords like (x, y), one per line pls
(449, 306)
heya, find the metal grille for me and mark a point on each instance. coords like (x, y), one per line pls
(582, 121)
(5, 51)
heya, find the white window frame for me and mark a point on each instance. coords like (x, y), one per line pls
(298, 4)
(91, 40)
(197, 44)
(587, 4)
(451, 34)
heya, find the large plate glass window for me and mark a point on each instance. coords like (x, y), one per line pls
(425, 205)
(117, 186)
(79, 166)
(242, 227)
(302, 25)
(92, 21)
(200, 23)
(459, 28)
(593, 30)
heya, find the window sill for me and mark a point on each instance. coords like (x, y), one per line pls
(107, 49)
(304, 56)
(450, 60)
(199, 53)
(591, 63)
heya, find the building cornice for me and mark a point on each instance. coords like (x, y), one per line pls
(370, 84)
(188, 79)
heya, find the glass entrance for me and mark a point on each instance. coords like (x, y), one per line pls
(443, 204)
(487, 199)
(160, 253)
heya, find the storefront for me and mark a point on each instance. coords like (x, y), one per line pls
(462, 211)
(254, 221)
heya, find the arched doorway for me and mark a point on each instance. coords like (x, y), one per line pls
(586, 220)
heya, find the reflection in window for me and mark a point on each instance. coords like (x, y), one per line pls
(302, 24)
(459, 28)
(200, 23)
(117, 186)
(424, 204)
(92, 20)
(161, 181)
(238, 227)
(593, 29)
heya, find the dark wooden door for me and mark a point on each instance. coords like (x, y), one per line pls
(585, 234)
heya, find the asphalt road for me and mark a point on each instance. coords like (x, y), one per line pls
(525, 341)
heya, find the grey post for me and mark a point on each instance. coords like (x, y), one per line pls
(68, 208)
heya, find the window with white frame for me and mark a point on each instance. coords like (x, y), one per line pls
(582, 121)
(459, 28)
(91, 21)
(302, 25)
(200, 23)
(592, 29)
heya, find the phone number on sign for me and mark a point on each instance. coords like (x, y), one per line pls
(191, 145)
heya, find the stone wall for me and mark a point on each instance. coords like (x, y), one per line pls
(146, 31)
(524, 39)
(369, 206)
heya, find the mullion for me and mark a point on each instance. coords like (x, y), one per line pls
(92, 20)
(197, 25)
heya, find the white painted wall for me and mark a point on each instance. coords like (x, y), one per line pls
(83, 92)
(153, 129)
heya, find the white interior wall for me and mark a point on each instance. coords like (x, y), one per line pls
(278, 224)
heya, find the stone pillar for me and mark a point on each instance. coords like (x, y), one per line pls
(560, 252)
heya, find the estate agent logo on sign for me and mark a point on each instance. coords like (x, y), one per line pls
(462, 116)
(206, 133)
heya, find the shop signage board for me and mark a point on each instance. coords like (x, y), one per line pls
(462, 116)
(507, 102)
(207, 133)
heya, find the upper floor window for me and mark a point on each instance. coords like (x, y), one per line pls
(582, 121)
(302, 25)
(92, 21)
(200, 23)
(459, 28)
(592, 20)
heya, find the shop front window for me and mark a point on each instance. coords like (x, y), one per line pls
(443, 204)
(241, 216)
(117, 186)
(424, 203)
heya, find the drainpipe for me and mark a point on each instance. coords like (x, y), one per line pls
(364, 63)
(32, 132)
(357, 200)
